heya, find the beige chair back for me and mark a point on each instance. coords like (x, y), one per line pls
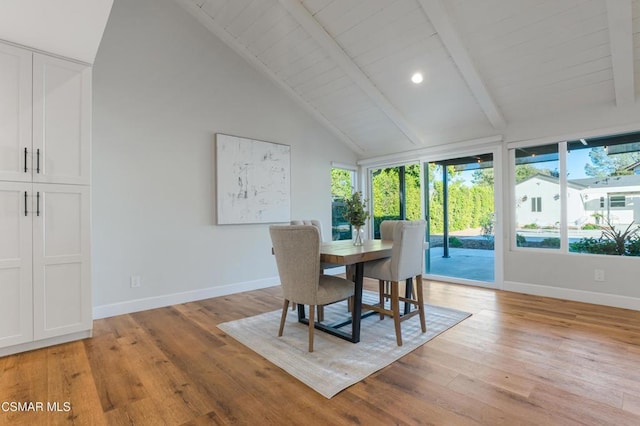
(386, 229)
(313, 222)
(407, 254)
(297, 251)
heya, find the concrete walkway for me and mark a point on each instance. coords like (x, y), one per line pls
(470, 264)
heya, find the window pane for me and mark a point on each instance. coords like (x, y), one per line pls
(396, 194)
(385, 184)
(412, 192)
(342, 185)
(604, 203)
(536, 179)
(618, 201)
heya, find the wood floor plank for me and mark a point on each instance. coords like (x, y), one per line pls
(25, 379)
(520, 409)
(71, 382)
(519, 359)
(576, 408)
(427, 401)
(523, 362)
(116, 381)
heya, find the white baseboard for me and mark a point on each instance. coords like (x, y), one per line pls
(129, 306)
(137, 305)
(29, 346)
(606, 299)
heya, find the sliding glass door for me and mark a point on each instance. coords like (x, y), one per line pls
(459, 198)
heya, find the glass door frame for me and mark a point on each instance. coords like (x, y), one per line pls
(434, 155)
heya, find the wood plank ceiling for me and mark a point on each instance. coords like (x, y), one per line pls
(486, 64)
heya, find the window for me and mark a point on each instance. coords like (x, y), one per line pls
(617, 201)
(594, 205)
(536, 173)
(536, 204)
(342, 186)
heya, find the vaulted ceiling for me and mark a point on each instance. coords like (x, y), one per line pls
(486, 63)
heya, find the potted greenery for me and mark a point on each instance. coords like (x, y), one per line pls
(356, 213)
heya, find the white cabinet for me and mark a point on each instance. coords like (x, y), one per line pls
(16, 291)
(61, 253)
(61, 121)
(45, 275)
(15, 113)
(45, 108)
(44, 261)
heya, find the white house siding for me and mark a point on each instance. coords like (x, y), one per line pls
(548, 192)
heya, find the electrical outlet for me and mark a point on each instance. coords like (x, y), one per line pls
(136, 281)
(598, 274)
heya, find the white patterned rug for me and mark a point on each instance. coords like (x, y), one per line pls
(336, 364)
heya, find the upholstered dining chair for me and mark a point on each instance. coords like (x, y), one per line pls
(318, 225)
(323, 265)
(297, 251)
(386, 233)
(386, 229)
(405, 262)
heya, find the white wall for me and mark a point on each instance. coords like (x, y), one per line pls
(163, 86)
(70, 28)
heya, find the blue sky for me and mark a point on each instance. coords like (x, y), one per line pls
(575, 163)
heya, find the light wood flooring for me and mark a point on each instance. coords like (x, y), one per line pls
(518, 360)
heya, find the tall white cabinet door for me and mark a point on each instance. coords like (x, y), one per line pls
(61, 256)
(15, 113)
(16, 312)
(61, 120)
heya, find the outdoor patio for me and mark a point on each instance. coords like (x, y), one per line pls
(470, 264)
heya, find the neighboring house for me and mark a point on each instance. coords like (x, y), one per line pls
(615, 197)
(588, 200)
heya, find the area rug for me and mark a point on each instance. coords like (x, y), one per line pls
(336, 364)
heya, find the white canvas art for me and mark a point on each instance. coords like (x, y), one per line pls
(253, 178)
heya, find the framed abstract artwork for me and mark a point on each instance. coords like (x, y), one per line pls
(253, 181)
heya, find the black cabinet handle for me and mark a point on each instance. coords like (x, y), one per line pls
(25, 160)
(25, 203)
(38, 160)
(38, 203)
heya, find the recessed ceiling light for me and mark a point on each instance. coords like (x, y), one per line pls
(417, 78)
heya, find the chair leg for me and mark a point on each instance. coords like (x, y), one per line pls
(283, 317)
(312, 309)
(381, 290)
(421, 302)
(293, 306)
(320, 313)
(395, 307)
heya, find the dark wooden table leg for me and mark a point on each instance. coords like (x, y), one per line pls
(356, 312)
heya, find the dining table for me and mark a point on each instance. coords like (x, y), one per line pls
(346, 253)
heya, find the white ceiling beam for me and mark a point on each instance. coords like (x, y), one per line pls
(620, 19)
(439, 17)
(241, 50)
(333, 49)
